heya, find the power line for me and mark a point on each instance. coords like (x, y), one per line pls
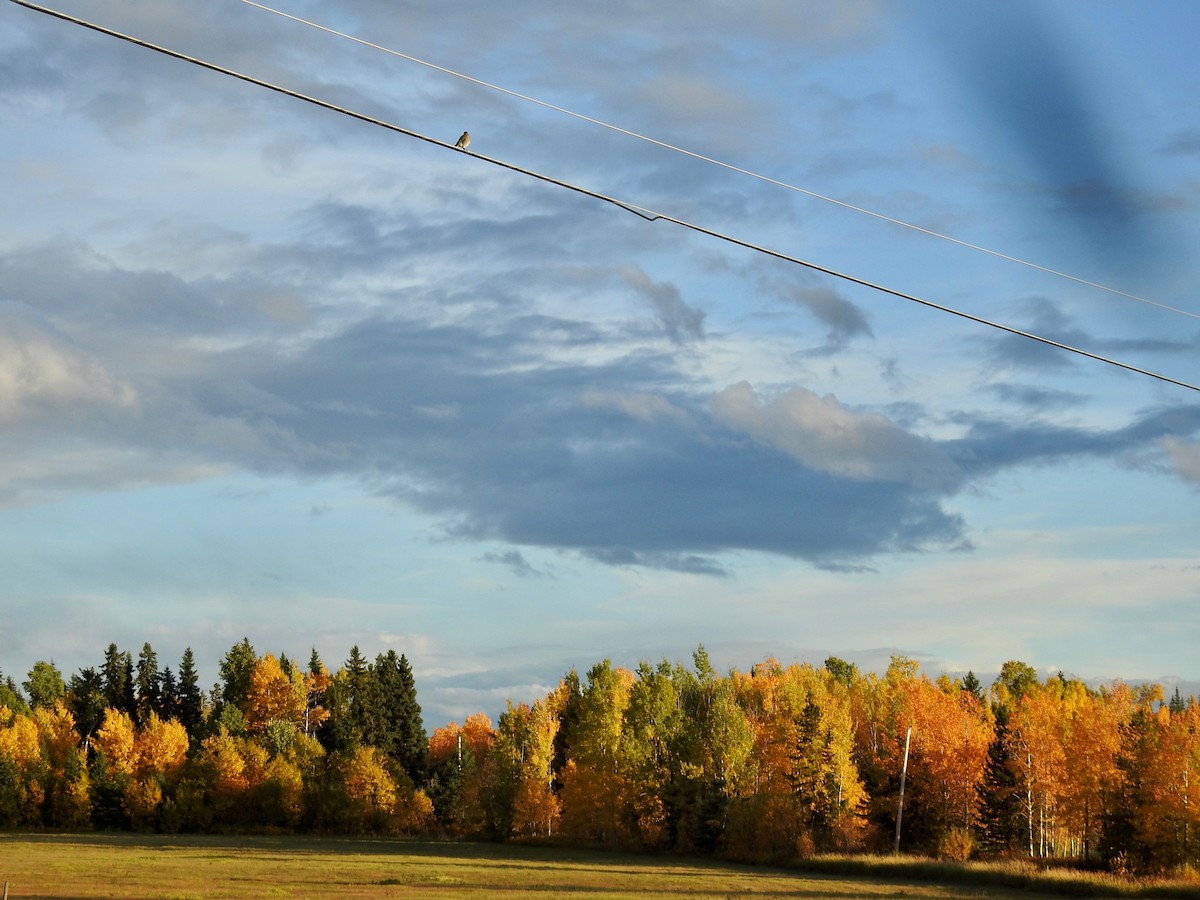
(643, 212)
(725, 165)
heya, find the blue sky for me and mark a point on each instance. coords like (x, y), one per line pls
(268, 371)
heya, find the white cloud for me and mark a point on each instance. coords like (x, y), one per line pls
(1185, 457)
(41, 372)
(822, 434)
(643, 407)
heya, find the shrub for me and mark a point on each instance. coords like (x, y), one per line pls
(956, 843)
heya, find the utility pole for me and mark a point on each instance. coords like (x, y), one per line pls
(903, 778)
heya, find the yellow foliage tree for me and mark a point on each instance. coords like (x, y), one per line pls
(275, 696)
(160, 748)
(1036, 734)
(20, 742)
(64, 775)
(370, 788)
(116, 738)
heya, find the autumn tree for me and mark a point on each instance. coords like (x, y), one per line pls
(592, 782)
(951, 733)
(274, 696)
(317, 682)
(518, 773)
(458, 782)
(21, 764)
(653, 723)
(714, 750)
(1094, 721)
(63, 770)
(1037, 730)
(370, 788)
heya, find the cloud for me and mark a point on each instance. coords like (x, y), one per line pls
(534, 430)
(1185, 458)
(679, 321)
(1032, 397)
(515, 562)
(43, 374)
(641, 406)
(1044, 318)
(823, 435)
(844, 320)
(989, 444)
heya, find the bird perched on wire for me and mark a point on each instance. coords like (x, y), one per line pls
(464, 141)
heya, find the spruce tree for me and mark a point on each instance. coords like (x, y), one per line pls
(149, 695)
(359, 725)
(190, 705)
(117, 672)
(971, 685)
(1000, 794)
(413, 742)
(85, 699)
(168, 695)
(236, 669)
(394, 724)
(11, 696)
(1177, 705)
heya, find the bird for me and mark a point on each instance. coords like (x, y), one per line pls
(464, 141)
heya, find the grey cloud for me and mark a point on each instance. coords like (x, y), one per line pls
(515, 562)
(489, 424)
(679, 321)
(1037, 398)
(844, 319)
(1044, 318)
(530, 460)
(90, 294)
(989, 445)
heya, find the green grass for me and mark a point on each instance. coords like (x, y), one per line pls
(248, 868)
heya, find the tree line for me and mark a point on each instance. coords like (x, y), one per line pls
(770, 764)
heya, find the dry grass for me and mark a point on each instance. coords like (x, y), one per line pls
(249, 868)
(1012, 874)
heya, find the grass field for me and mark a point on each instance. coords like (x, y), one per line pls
(247, 868)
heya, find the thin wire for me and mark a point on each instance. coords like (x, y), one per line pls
(647, 214)
(730, 166)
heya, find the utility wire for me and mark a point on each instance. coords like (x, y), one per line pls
(647, 214)
(730, 166)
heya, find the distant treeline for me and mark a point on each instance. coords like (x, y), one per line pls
(767, 765)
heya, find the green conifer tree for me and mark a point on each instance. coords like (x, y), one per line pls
(147, 684)
(85, 699)
(191, 702)
(236, 669)
(117, 672)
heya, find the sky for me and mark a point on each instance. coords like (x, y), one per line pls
(269, 371)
